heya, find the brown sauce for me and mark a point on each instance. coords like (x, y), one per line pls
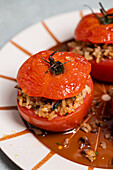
(43, 161)
(6, 137)
(102, 111)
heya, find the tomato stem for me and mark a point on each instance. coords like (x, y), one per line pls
(56, 67)
(105, 19)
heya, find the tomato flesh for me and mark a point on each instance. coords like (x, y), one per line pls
(60, 123)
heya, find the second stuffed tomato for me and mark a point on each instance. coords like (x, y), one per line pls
(94, 40)
(55, 90)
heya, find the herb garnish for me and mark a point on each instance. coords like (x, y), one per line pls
(58, 103)
(96, 153)
(66, 114)
(56, 67)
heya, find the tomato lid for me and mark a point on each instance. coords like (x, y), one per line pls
(34, 79)
(90, 29)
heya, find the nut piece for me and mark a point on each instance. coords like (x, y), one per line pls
(109, 136)
(37, 131)
(106, 97)
(89, 154)
(86, 128)
(83, 142)
(103, 145)
(66, 142)
(94, 131)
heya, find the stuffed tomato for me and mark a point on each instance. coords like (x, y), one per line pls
(55, 90)
(94, 40)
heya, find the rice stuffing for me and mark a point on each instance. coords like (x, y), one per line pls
(49, 108)
(90, 51)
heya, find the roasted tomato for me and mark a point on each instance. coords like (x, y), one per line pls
(96, 28)
(55, 90)
(96, 31)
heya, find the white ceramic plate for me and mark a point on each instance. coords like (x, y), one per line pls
(15, 140)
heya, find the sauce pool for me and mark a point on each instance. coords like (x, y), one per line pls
(101, 111)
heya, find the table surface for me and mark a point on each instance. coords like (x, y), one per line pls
(16, 15)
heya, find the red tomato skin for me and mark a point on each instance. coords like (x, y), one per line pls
(102, 71)
(61, 123)
(89, 29)
(34, 81)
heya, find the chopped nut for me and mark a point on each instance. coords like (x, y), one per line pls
(106, 97)
(89, 154)
(94, 131)
(37, 131)
(109, 136)
(66, 142)
(103, 145)
(84, 141)
(86, 127)
(34, 129)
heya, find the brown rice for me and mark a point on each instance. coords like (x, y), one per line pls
(90, 51)
(43, 107)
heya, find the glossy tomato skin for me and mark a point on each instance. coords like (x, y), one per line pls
(61, 123)
(89, 29)
(102, 71)
(34, 79)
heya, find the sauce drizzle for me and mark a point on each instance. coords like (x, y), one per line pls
(43, 161)
(8, 78)
(21, 48)
(6, 137)
(48, 30)
(8, 108)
